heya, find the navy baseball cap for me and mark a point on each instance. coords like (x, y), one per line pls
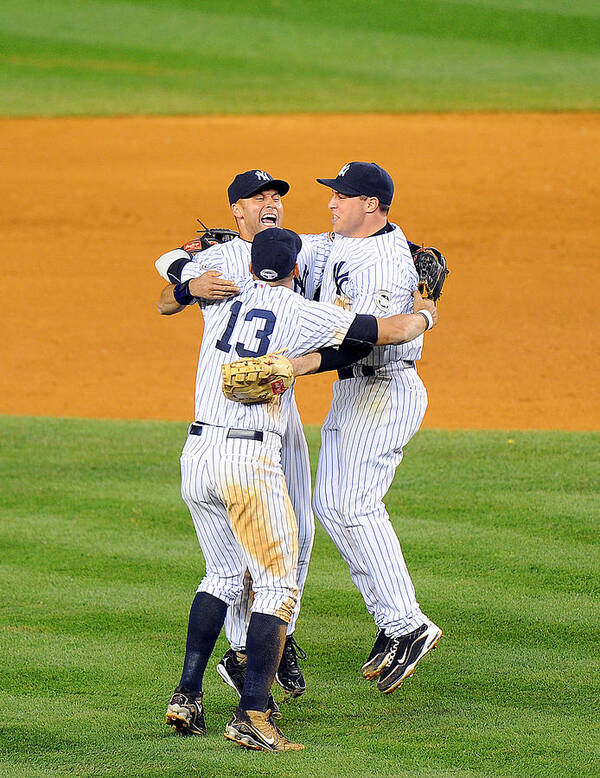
(253, 181)
(274, 253)
(362, 178)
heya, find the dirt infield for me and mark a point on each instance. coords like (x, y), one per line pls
(88, 205)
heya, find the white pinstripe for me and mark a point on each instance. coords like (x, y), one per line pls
(370, 420)
(232, 259)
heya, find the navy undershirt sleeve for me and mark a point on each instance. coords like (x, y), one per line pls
(358, 344)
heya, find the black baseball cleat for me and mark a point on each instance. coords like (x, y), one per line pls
(376, 659)
(404, 653)
(185, 713)
(255, 729)
(232, 669)
(289, 676)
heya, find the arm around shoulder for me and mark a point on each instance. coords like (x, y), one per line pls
(167, 304)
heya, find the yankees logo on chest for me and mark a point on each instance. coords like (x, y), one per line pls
(300, 282)
(340, 277)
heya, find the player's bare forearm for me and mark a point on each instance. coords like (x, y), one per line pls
(405, 327)
(167, 304)
(307, 364)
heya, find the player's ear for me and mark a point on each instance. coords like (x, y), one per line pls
(296, 271)
(236, 210)
(251, 271)
(372, 204)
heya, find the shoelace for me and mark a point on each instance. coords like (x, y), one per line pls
(392, 651)
(291, 645)
(263, 727)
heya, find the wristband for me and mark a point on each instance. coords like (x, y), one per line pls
(181, 292)
(428, 318)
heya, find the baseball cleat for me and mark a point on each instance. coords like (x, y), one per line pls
(404, 653)
(185, 713)
(376, 659)
(255, 729)
(232, 670)
(289, 676)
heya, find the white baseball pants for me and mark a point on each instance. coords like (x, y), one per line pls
(370, 421)
(295, 462)
(236, 493)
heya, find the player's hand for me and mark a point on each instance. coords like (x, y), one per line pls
(211, 286)
(421, 304)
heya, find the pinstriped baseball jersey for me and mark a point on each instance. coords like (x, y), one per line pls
(259, 320)
(374, 275)
(232, 259)
(311, 263)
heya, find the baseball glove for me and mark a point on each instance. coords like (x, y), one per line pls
(208, 237)
(432, 270)
(257, 379)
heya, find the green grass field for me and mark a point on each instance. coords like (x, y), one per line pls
(101, 57)
(99, 565)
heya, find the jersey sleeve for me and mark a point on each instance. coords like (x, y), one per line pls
(318, 325)
(171, 264)
(209, 259)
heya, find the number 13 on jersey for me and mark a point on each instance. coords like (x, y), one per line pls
(262, 334)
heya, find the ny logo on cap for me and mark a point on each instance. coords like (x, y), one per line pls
(262, 176)
(344, 170)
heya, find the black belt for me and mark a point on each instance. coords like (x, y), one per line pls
(232, 432)
(352, 371)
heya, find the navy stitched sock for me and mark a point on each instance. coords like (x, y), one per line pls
(207, 616)
(264, 646)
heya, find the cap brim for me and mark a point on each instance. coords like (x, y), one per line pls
(334, 184)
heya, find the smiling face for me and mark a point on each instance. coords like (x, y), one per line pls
(258, 212)
(352, 216)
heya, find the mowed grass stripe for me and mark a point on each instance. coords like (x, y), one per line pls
(98, 58)
(99, 564)
(551, 24)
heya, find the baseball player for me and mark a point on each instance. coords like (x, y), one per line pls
(378, 405)
(255, 198)
(233, 482)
